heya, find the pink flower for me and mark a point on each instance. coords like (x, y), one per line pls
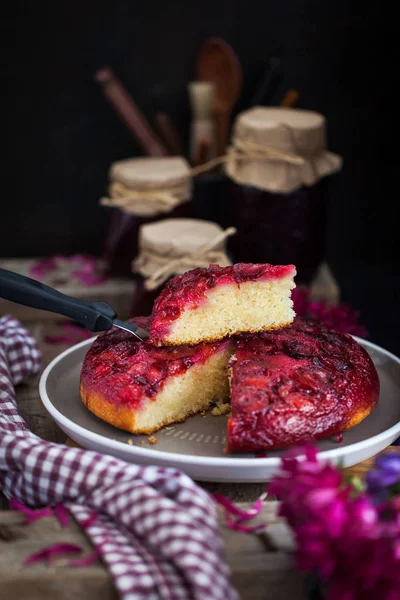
(351, 543)
(340, 317)
(83, 267)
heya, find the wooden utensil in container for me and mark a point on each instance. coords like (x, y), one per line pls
(218, 63)
(202, 130)
(169, 133)
(129, 112)
(290, 98)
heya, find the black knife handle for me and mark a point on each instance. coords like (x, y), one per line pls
(95, 316)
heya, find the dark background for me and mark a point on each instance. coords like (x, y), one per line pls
(62, 134)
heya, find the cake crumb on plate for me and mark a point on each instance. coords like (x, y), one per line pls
(221, 409)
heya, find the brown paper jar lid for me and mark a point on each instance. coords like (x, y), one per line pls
(173, 246)
(145, 173)
(299, 133)
(177, 237)
(149, 186)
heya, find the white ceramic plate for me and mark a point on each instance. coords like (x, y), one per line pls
(196, 446)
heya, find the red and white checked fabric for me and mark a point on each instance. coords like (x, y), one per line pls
(155, 529)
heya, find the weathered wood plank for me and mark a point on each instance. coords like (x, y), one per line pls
(256, 572)
(39, 582)
(116, 291)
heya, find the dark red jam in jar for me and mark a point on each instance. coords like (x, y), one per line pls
(279, 228)
(279, 169)
(122, 233)
(142, 191)
(143, 299)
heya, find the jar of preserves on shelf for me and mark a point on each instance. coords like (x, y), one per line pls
(279, 170)
(171, 247)
(142, 190)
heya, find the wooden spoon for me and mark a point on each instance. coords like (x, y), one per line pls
(218, 63)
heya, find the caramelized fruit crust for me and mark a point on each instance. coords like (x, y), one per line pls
(125, 372)
(299, 383)
(189, 290)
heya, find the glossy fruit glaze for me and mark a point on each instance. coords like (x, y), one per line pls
(190, 289)
(299, 383)
(126, 371)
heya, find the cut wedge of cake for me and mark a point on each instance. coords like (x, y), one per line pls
(301, 383)
(140, 388)
(208, 304)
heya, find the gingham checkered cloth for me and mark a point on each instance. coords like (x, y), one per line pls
(155, 529)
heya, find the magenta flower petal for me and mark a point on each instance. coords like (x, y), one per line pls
(16, 505)
(340, 317)
(397, 549)
(336, 519)
(321, 498)
(342, 534)
(62, 515)
(42, 267)
(32, 515)
(51, 551)
(363, 512)
(235, 510)
(238, 526)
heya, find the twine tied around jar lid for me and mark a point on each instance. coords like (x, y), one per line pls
(244, 150)
(277, 149)
(148, 186)
(144, 202)
(157, 262)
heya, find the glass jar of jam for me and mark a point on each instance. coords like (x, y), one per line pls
(141, 191)
(277, 196)
(143, 299)
(170, 247)
(280, 229)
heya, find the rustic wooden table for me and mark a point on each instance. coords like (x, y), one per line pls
(259, 572)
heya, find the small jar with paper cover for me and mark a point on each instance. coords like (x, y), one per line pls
(142, 190)
(279, 171)
(172, 247)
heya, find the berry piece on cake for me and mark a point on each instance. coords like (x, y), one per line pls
(303, 382)
(140, 388)
(209, 304)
